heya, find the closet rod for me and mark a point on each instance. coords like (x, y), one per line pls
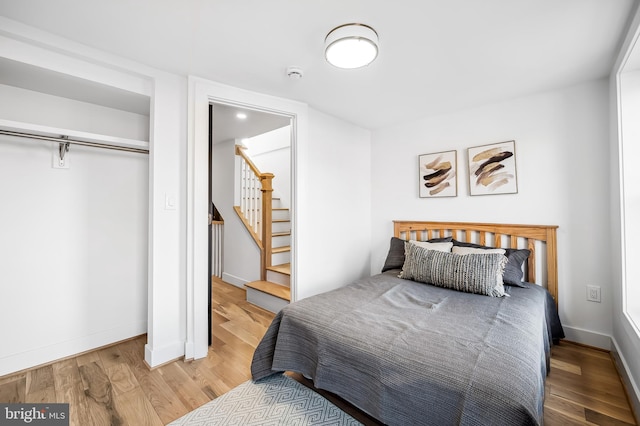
(73, 141)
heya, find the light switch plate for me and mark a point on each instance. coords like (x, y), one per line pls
(170, 202)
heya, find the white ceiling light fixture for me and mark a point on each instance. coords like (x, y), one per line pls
(351, 46)
(241, 116)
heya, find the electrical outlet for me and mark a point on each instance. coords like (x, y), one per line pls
(593, 293)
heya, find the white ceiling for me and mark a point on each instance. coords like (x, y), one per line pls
(226, 124)
(436, 56)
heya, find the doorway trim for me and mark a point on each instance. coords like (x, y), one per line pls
(201, 93)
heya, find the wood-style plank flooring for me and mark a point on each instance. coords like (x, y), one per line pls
(113, 385)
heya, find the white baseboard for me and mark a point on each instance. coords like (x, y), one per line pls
(47, 354)
(189, 350)
(232, 279)
(633, 392)
(587, 337)
(155, 357)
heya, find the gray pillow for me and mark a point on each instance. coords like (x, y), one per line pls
(395, 257)
(513, 271)
(516, 257)
(471, 273)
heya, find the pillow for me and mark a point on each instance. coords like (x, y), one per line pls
(516, 257)
(395, 257)
(513, 271)
(472, 250)
(472, 273)
(431, 245)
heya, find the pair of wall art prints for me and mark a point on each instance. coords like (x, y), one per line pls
(492, 170)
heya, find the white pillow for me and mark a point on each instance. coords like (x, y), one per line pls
(446, 247)
(473, 250)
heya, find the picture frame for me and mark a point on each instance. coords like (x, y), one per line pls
(438, 174)
(492, 169)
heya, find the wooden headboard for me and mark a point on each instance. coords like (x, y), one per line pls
(540, 239)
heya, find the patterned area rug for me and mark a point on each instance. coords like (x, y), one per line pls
(274, 400)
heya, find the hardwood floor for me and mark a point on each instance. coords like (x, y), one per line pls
(584, 387)
(113, 385)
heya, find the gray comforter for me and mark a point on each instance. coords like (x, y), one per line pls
(411, 353)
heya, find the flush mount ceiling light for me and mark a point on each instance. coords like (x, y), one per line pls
(351, 46)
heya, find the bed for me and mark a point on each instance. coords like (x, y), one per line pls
(411, 352)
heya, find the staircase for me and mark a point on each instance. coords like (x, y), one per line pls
(272, 292)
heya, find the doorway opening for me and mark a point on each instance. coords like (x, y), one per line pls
(250, 202)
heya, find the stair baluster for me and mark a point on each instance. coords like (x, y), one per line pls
(255, 206)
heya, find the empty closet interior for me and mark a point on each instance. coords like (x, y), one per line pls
(74, 197)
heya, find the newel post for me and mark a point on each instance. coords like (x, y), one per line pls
(266, 180)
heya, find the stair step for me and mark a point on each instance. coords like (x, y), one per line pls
(273, 289)
(282, 249)
(281, 234)
(285, 268)
(278, 278)
(281, 220)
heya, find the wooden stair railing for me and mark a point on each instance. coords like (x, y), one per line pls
(255, 209)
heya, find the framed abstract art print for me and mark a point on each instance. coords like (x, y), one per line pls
(492, 169)
(438, 174)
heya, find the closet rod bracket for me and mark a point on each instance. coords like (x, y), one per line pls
(63, 148)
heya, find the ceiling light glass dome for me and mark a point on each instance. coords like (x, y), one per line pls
(351, 46)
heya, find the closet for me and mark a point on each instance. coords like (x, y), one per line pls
(74, 204)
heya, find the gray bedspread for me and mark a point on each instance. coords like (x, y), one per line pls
(411, 353)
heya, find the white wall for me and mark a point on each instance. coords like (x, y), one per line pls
(167, 178)
(335, 207)
(241, 255)
(166, 333)
(561, 151)
(73, 250)
(271, 153)
(47, 110)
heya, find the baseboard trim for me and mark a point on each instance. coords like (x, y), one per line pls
(631, 387)
(587, 337)
(155, 357)
(232, 279)
(47, 355)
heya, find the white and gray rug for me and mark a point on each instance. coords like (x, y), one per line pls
(274, 400)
